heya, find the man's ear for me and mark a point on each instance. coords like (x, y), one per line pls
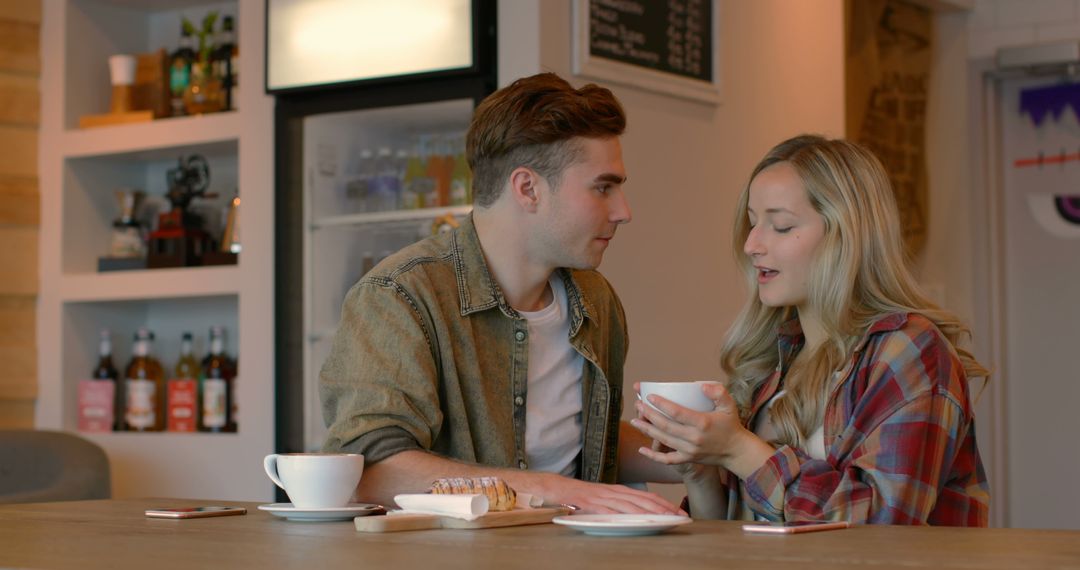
(524, 188)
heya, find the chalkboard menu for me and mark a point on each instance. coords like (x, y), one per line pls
(672, 36)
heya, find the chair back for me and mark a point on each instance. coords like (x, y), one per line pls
(42, 466)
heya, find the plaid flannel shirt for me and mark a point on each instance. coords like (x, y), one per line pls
(899, 438)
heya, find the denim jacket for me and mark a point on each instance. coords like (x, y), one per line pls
(430, 356)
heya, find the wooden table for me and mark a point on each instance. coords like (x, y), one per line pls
(115, 534)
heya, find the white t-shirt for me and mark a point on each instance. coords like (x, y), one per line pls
(763, 427)
(553, 407)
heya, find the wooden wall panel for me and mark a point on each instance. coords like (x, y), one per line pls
(18, 376)
(18, 151)
(20, 115)
(21, 10)
(19, 362)
(19, 47)
(20, 203)
(19, 100)
(16, 414)
(17, 321)
(18, 260)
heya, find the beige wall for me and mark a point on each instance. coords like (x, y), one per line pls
(782, 73)
(19, 69)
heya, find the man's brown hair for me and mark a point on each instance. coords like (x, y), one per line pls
(531, 123)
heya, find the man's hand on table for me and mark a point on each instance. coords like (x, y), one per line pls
(599, 498)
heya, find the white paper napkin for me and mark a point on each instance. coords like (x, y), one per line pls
(465, 507)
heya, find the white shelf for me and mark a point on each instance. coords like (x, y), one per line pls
(79, 170)
(390, 216)
(212, 134)
(151, 284)
(184, 465)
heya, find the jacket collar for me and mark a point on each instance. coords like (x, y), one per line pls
(790, 341)
(790, 332)
(478, 290)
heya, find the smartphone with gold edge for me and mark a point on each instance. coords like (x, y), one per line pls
(194, 512)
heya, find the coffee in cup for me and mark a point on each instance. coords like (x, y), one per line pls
(685, 394)
(316, 480)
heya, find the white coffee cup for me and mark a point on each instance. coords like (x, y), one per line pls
(316, 480)
(686, 394)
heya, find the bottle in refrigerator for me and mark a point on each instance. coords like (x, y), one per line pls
(460, 176)
(357, 188)
(183, 388)
(144, 387)
(98, 397)
(384, 189)
(415, 184)
(438, 167)
(217, 387)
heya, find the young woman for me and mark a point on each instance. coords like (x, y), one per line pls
(847, 395)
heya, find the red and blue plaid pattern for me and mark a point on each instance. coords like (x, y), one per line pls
(899, 437)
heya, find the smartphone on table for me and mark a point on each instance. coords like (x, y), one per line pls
(194, 512)
(794, 527)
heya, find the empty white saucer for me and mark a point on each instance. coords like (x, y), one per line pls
(622, 525)
(348, 512)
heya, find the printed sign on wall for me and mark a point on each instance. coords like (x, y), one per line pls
(1054, 156)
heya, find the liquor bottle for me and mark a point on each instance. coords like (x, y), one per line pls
(100, 400)
(145, 387)
(217, 402)
(106, 371)
(223, 60)
(183, 389)
(180, 70)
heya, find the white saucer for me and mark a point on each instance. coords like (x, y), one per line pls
(622, 525)
(348, 512)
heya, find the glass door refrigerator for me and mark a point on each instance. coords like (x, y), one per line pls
(363, 168)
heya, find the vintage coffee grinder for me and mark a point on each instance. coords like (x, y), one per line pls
(181, 240)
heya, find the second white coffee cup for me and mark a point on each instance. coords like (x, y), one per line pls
(316, 480)
(685, 394)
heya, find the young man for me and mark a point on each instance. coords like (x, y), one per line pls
(497, 349)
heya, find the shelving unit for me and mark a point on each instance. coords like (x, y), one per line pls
(154, 139)
(151, 284)
(79, 170)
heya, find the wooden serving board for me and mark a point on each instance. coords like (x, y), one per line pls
(395, 523)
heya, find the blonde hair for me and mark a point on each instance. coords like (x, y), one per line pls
(860, 272)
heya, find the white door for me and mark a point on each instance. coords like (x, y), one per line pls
(1040, 167)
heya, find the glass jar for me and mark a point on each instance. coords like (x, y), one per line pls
(204, 93)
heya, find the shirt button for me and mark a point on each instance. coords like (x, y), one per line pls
(519, 401)
(520, 336)
(523, 465)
